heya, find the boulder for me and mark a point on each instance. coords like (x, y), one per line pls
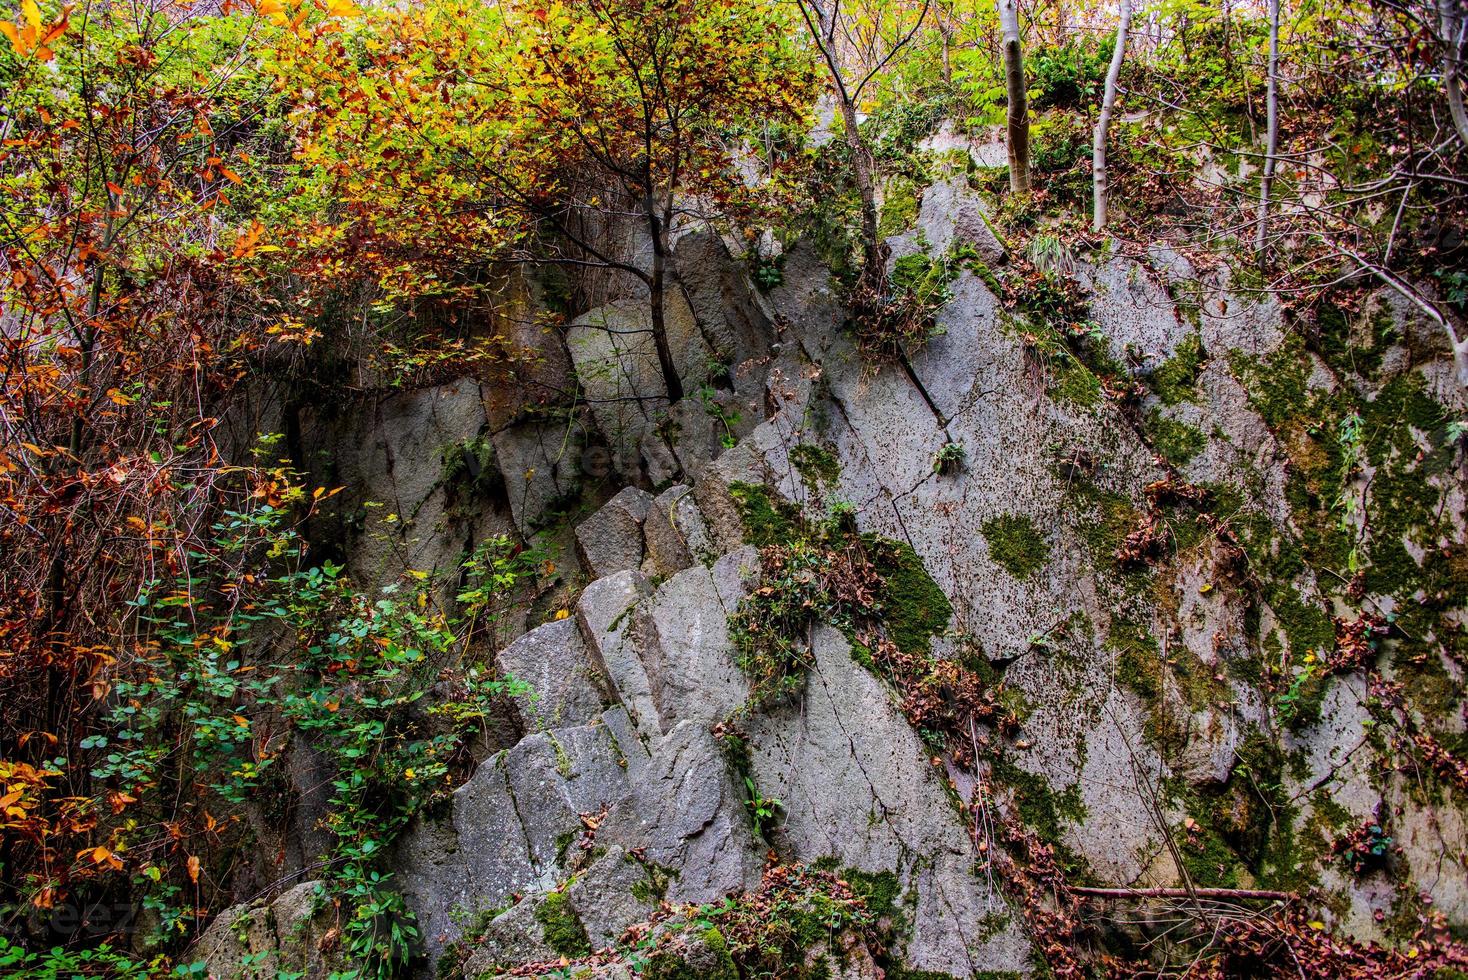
(675, 532)
(604, 612)
(610, 540)
(267, 939)
(566, 688)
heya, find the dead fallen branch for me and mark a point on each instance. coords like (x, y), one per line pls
(1247, 894)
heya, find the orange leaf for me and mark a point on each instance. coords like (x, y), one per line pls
(193, 869)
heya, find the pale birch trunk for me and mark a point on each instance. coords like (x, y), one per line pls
(1019, 111)
(1271, 137)
(1100, 178)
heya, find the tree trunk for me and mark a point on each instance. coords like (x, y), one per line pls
(657, 288)
(1019, 110)
(1271, 137)
(861, 171)
(1100, 179)
(945, 33)
(1454, 29)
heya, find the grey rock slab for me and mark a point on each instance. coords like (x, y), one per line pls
(610, 540)
(1135, 312)
(390, 454)
(606, 898)
(682, 635)
(675, 532)
(727, 308)
(540, 462)
(566, 685)
(282, 936)
(734, 574)
(616, 360)
(604, 613)
(690, 817)
(951, 213)
(949, 364)
(857, 785)
(513, 937)
(631, 743)
(559, 775)
(451, 867)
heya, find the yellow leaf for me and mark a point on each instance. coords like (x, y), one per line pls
(1317, 925)
(342, 8)
(31, 13)
(8, 29)
(562, 613)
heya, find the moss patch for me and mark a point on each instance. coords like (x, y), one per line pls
(899, 208)
(564, 932)
(766, 520)
(1175, 441)
(1016, 544)
(708, 959)
(1176, 379)
(816, 464)
(913, 607)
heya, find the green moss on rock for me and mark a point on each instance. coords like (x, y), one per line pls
(705, 957)
(913, 607)
(1015, 544)
(766, 520)
(899, 208)
(563, 930)
(816, 464)
(1176, 441)
(1176, 379)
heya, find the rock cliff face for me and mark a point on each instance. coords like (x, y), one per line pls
(1146, 576)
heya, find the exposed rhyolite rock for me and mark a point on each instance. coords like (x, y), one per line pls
(516, 935)
(564, 682)
(452, 866)
(842, 740)
(610, 540)
(541, 462)
(675, 532)
(1135, 681)
(563, 774)
(617, 363)
(616, 892)
(604, 613)
(949, 215)
(688, 814)
(266, 940)
(410, 500)
(727, 307)
(682, 636)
